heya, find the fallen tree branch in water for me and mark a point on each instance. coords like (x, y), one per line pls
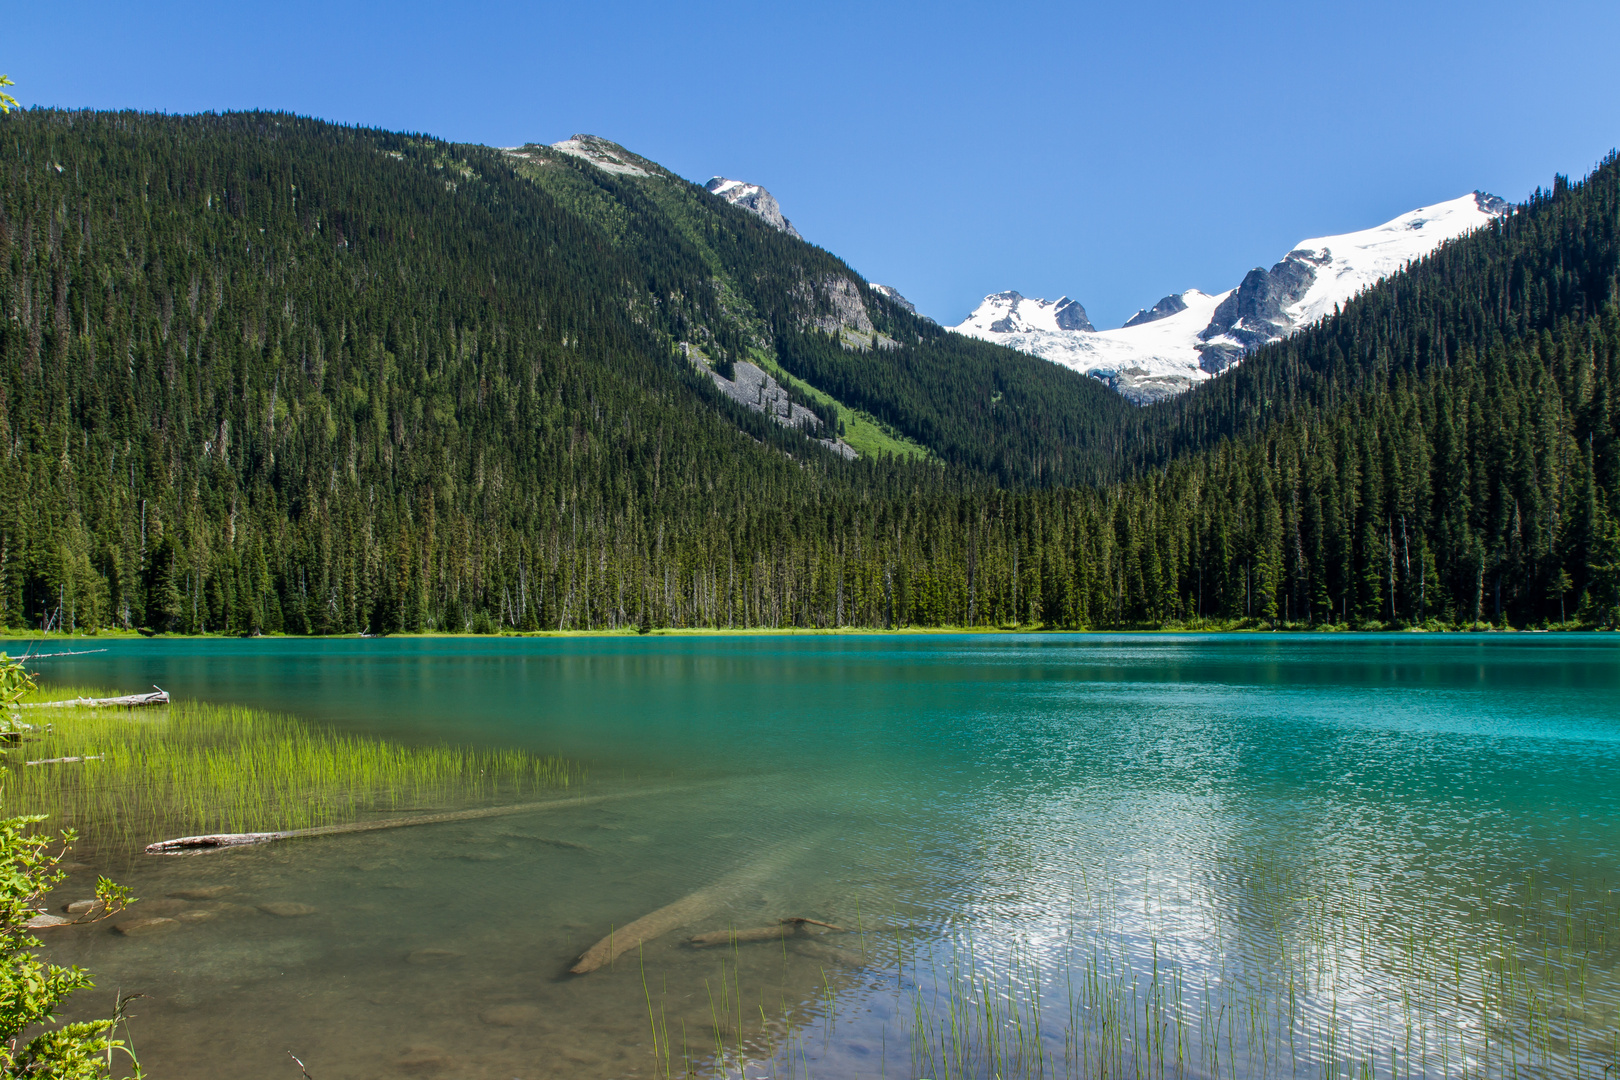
(193, 844)
(128, 701)
(794, 927)
(690, 908)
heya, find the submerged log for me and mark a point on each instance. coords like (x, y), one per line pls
(190, 844)
(784, 928)
(128, 701)
(690, 908)
(65, 760)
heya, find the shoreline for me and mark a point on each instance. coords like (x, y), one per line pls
(842, 631)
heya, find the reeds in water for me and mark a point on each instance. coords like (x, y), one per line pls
(1276, 976)
(1339, 984)
(203, 768)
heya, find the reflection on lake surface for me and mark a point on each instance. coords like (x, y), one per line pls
(1230, 855)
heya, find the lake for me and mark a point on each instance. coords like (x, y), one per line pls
(1039, 855)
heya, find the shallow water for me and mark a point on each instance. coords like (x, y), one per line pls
(1199, 855)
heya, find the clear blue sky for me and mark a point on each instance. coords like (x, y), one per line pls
(1113, 152)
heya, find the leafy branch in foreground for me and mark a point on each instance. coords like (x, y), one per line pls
(31, 988)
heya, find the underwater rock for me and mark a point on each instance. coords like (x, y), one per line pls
(286, 909)
(209, 892)
(45, 922)
(146, 927)
(515, 1014)
(196, 915)
(162, 907)
(84, 907)
(425, 1059)
(224, 907)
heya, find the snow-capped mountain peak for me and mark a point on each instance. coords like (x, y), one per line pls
(753, 198)
(1325, 272)
(1012, 313)
(1188, 337)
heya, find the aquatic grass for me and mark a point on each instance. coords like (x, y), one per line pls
(1288, 977)
(200, 768)
(1333, 985)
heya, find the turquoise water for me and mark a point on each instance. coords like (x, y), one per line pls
(1225, 855)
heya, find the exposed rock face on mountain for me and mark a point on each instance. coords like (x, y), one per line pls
(837, 305)
(751, 387)
(605, 155)
(1165, 308)
(754, 198)
(1191, 336)
(894, 295)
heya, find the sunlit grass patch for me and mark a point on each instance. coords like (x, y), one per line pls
(199, 768)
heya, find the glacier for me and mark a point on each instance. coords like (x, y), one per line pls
(1190, 337)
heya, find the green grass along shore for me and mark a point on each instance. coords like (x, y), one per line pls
(124, 777)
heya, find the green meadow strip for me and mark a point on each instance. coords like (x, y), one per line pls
(200, 768)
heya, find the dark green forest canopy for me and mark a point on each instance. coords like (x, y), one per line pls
(259, 372)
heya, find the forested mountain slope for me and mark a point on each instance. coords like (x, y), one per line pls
(263, 373)
(730, 286)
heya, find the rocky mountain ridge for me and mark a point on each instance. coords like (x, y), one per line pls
(753, 198)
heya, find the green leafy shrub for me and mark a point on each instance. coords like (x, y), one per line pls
(31, 988)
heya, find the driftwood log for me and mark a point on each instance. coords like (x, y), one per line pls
(192, 844)
(128, 701)
(692, 907)
(784, 928)
(65, 760)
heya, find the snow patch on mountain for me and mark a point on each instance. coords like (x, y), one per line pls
(1189, 337)
(1149, 360)
(755, 199)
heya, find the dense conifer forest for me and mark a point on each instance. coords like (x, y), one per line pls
(264, 374)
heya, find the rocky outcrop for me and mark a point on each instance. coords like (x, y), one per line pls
(893, 296)
(1256, 313)
(755, 199)
(889, 293)
(1070, 315)
(835, 304)
(607, 156)
(751, 387)
(1170, 305)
